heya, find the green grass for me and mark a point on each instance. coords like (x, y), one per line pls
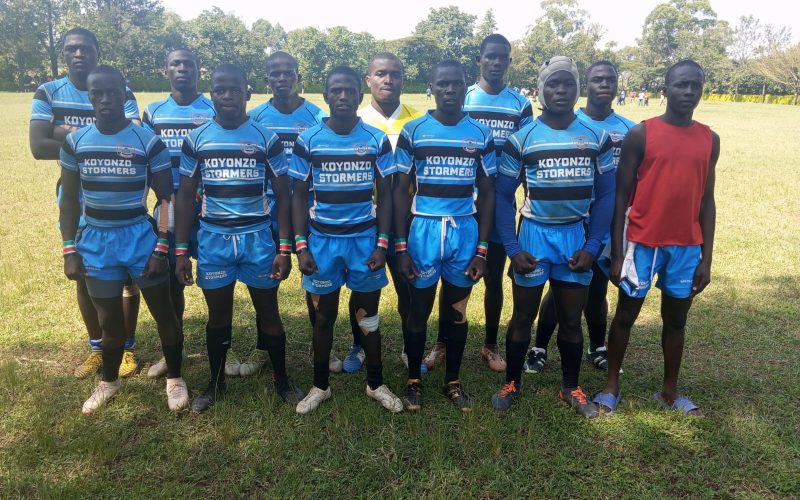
(741, 365)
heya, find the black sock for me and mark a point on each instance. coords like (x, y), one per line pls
(321, 374)
(491, 335)
(414, 346)
(173, 355)
(456, 341)
(570, 362)
(515, 357)
(375, 375)
(112, 358)
(276, 346)
(597, 335)
(218, 340)
(372, 352)
(441, 335)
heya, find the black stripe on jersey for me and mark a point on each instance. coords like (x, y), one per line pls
(445, 190)
(527, 111)
(287, 138)
(422, 152)
(60, 113)
(606, 145)
(300, 151)
(233, 190)
(112, 187)
(136, 159)
(342, 196)
(511, 150)
(560, 193)
(41, 95)
(175, 161)
(533, 157)
(275, 149)
(129, 95)
(130, 213)
(340, 229)
(318, 160)
(236, 222)
(204, 154)
(158, 146)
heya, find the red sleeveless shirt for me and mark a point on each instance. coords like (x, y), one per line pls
(665, 206)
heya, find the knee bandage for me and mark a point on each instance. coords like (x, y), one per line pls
(369, 324)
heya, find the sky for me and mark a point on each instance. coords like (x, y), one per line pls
(622, 19)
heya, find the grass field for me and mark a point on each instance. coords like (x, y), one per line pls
(741, 364)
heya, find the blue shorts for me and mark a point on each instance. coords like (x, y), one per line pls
(442, 246)
(674, 265)
(117, 253)
(224, 258)
(553, 245)
(343, 261)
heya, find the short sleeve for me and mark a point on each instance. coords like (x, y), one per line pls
(41, 108)
(66, 156)
(147, 120)
(526, 118)
(385, 160)
(131, 107)
(158, 155)
(189, 161)
(300, 167)
(605, 157)
(276, 157)
(511, 160)
(489, 158)
(404, 152)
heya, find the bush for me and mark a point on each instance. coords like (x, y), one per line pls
(769, 98)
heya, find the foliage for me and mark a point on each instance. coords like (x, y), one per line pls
(783, 67)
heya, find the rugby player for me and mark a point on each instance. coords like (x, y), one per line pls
(112, 162)
(385, 78)
(562, 160)
(347, 161)
(449, 153)
(601, 87)
(172, 118)
(233, 156)
(59, 107)
(665, 194)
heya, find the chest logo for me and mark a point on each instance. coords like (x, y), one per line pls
(300, 127)
(616, 136)
(580, 142)
(125, 151)
(248, 148)
(469, 145)
(199, 119)
(361, 149)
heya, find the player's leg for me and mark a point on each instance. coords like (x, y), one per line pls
(335, 364)
(218, 341)
(674, 313)
(326, 310)
(627, 311)
(355, 357)
(438, 352)
(493, 306)
(131, 302)
(456, 299)
(545, 327)
(177, 296)
(596, 314)
(94, 361)
(414, 338)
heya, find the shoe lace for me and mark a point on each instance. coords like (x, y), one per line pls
(508, 388)
(578, 394)
(454, 391)
(176, 390)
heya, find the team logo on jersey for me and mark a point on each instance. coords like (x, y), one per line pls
(248, 148)
(199, 119)
(361, 148)
(580, 142)
(469, 145)
(616, 136)
(300, 127)
(125, 151)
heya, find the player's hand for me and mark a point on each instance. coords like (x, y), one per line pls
(73, 267)
(408, 271)
(523, 263)
(281, 267)
(476, 269)
(155, 267)
(306, 263)
(702, 277)
(377, 259)
(183, 270)
(615, 273)
(581, 261)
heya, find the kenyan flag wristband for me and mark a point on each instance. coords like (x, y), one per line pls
(285, 247)
(400, 246)
(383, 241)
(181, 249)
(300, 243)
(162, 246)
(482, 249)
(69, 248)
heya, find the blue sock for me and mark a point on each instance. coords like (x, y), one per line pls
(96, 345)
(130, 343)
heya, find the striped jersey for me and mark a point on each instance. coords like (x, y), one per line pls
(503, 113)
(61, 103)
(343, 170)
(115, 171)
(559, 168)
(393, 125)
(173, 122)
(234, 166)
(447, 160)
(617, 127)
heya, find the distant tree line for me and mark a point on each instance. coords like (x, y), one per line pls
(749, 58)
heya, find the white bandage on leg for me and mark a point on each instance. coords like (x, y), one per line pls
(369, 324)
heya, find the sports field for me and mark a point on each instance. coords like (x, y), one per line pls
(741, 364)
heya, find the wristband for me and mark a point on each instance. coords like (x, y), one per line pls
(285, 247)
(300, 243)
(69, 248)
(400, 246)
(481, 250)
(181, 249)
(383, 241)
(162, 246)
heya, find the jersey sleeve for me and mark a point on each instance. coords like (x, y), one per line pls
(131, 107)
(189, 160)
(66, 156)
(276, 157)
(158, 155)
(605, 157)
(300, 168)
(385, 160)
(489, 158)
(510, 163)
(404, 152)
(41, 108)
(147, 120)
(526, 118)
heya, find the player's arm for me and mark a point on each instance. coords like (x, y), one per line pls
(276, 159)
(384, 173)
(160, 173)
(404, 159)
(509, 177)
(69, 212)
(184, 212)
(300, 171)
(630, 158)
(45, 139)
(708, 222)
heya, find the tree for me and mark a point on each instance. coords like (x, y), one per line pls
(782, 66)
(487, 26)
(454, 32)
(419, 54)
(223, 38)
(267, 36)
(310, 47)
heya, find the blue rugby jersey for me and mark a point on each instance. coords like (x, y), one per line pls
(115, 171)
(61, 103)
(504, 113)
(617, 127)
(447, 161)
(343, 170)
(173, 122)
(559, 168)
(234, 166)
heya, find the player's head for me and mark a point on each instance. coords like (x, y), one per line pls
(182, 70)
(81, 51)
(494, 58)
(683, 86)
(449, 84)
(385, 75)
(601, 83)
(107, 92)
(343, 92)
(282, 74)
(229, 91)
(558, 85)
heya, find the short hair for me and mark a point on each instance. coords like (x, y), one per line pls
(182, 49)
(597, 64)
(494, 38)
(448, 63)
(281, 55)
(343, 70)
(81, 32)
(230, 68)
(680, 64)
(389, 56)
(105, 69)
